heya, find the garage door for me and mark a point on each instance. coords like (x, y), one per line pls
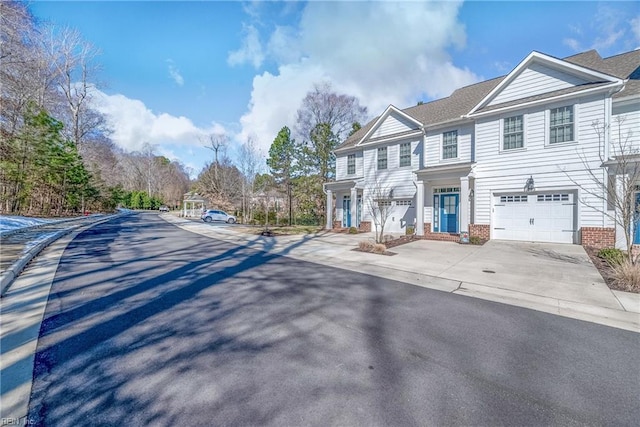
(545, 217)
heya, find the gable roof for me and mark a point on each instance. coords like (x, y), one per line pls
(463, 100)
(376, 124)
(588, 75)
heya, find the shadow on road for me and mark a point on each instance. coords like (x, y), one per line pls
(149, 325)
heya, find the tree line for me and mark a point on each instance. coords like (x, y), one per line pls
(56, 155)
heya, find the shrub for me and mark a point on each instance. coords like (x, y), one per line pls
(387, 238)
(379, 248)
(613, 256)
(626, 276)
(475, 240)
(353, 230)
(365, 245)
(409, 231)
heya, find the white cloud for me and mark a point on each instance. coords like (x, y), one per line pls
(174, 73)
(610, 32)
(380, 52)
(251, 50)
(133, 124)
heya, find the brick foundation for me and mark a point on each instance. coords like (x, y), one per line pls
(443, 237)
(365, 226)
(482, 231)
(598, 237)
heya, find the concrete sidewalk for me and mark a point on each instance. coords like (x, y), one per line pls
(553, 278)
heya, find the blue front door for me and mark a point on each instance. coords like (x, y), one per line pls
(636, 221)
(445, 215)
(346, 211)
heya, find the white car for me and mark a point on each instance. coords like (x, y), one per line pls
(217, 215)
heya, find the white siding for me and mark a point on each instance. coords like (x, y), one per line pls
(341, 167)
(625, 127)
(534, 80)
(433, 151)
(393, 124)
(562, 166)
(396, 178)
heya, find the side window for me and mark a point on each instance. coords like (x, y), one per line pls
(450, 145)
(561, 124)
(405, 154)
(513, 133)
(351, 164)
(382, 158)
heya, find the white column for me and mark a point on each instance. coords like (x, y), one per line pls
(184, 203)
(354, 206)
(329, 210)
(464, 203)
(420, 208)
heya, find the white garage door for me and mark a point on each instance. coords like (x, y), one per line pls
(546, 217)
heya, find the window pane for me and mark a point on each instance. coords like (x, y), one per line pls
(450, 145)
(405, 154)
(513, 133)
(351, 164)
(382, 158)
(561, 124)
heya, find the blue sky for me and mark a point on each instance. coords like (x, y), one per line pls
(174, 72)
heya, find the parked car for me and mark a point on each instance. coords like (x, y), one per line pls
(217, 215)
(164, 208)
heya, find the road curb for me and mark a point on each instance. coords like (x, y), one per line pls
(7, 277)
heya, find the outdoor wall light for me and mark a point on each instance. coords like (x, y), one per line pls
(529, 185)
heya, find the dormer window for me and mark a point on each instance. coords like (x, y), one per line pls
(561, 124)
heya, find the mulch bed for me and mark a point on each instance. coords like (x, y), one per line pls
(603, 268)
(387, 253)
(400, 241)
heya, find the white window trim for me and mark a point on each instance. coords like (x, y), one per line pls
(524, 134)
(547, 124)
(450, 159)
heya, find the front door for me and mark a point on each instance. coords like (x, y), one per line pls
(346, 211)
(445, 213)
(636, 221)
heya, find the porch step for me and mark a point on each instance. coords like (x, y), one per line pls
(443, 237)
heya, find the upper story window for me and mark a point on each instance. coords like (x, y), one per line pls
(405, 154)
(561, 124)
(382, 158)
(513, 133)
(450, 145)
(351, 164)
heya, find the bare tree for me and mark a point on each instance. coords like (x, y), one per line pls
(616, 189)
(250, 166)
(73, 61)
(323, 105)
(379, 205)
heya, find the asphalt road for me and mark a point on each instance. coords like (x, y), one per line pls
(150, 325)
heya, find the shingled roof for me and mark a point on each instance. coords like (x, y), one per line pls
(462, 100)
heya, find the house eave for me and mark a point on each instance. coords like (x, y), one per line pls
(462, 169)
(549, 100)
